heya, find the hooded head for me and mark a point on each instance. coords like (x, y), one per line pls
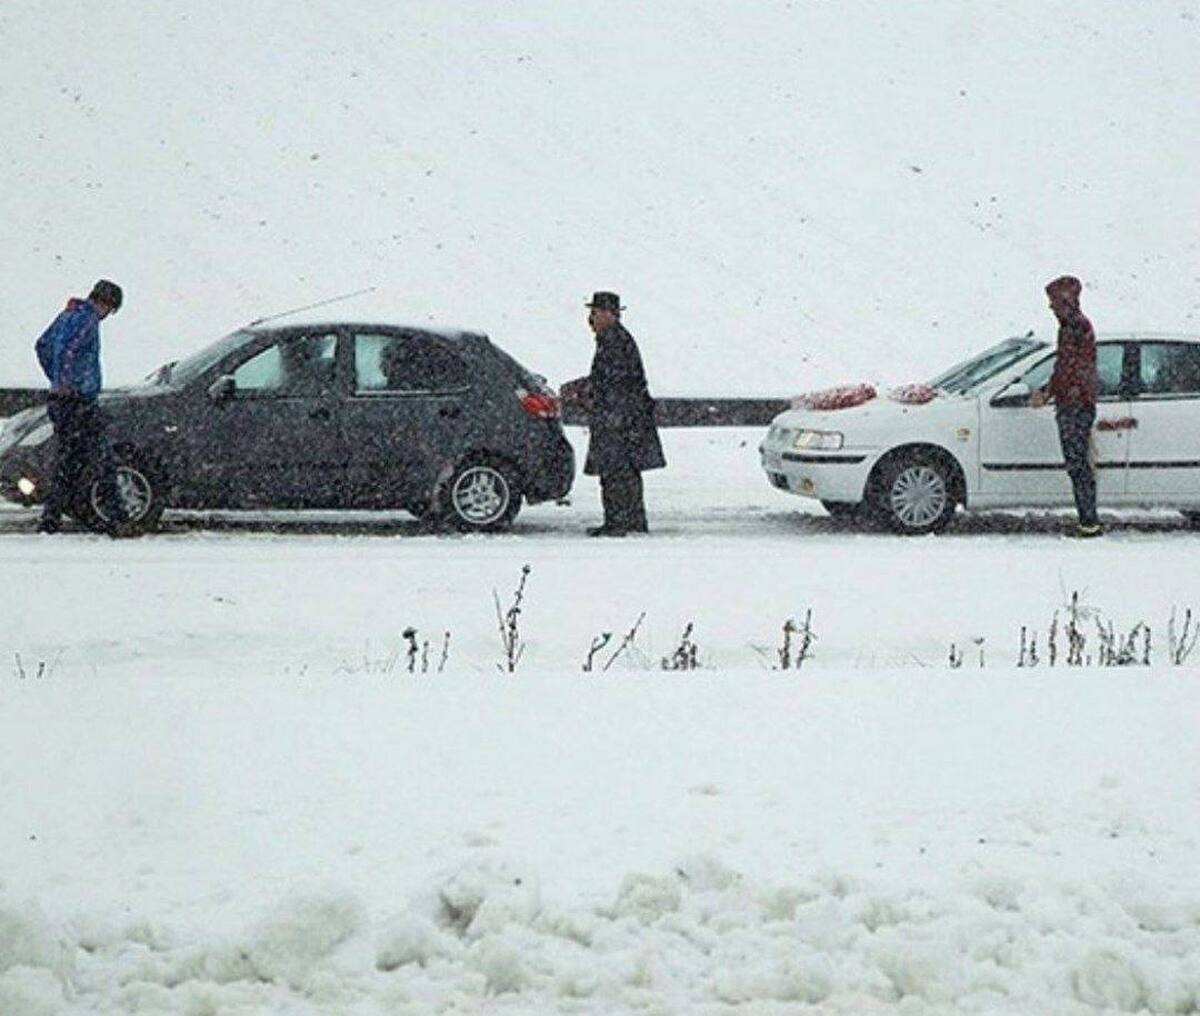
(1063, 293)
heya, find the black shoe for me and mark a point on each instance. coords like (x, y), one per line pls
(49, 526)
(605, 531)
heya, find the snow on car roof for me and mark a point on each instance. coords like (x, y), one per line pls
(442, 331)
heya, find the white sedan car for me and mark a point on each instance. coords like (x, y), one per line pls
(970, 437)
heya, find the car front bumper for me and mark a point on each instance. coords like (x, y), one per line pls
(827, 476)
(22, 480)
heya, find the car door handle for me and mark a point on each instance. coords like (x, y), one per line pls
(450, 411)
(320, 413)
(1117, 423)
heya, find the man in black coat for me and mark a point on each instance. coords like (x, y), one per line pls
(623, 438)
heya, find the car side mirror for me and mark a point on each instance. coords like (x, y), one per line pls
(1016, 394)
(223, 388)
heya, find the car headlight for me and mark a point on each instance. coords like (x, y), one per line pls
(37, 436)
(822, 440)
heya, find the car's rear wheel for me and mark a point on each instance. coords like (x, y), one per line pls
(914, 494)
(482, 495)
(139, 490)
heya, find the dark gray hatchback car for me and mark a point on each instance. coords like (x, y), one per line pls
(441, 423)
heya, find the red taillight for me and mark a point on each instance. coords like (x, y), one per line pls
(541, 405)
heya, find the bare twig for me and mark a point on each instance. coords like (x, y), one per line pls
(684, 656)
(785, 650)
(445, 653)
(508, 621)
(807, 638)
(410, 636)
(1180, 643)
(598, 643)
(627, 641)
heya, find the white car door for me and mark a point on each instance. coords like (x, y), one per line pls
(1021, 461)
(1164, 456)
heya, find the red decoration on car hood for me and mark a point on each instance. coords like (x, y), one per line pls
(913, 395)
(844, 397)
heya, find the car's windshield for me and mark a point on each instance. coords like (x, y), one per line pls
(970, 374)
(191, 367)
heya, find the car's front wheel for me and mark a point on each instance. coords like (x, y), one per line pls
(914, 494)
(139, 492)
(482, 495)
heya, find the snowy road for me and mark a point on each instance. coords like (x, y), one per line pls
(713, 487)
(223, 791)
(727, 553)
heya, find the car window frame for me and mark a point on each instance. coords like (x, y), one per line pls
(1138, 395)
(260, 344)
(1128, 370)
(437, 341)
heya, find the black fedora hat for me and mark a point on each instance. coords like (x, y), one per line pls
(605, 301)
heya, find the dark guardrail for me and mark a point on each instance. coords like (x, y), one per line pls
(670, 412)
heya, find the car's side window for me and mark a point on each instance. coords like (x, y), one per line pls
(306, 365)
(406, 363)
(1110, 358)
(1169, 370)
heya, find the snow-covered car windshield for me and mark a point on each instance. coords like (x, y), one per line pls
(970, 374)
(191, 367)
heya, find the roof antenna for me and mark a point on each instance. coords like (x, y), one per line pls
(312, 306)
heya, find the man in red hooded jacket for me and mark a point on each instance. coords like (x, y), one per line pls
(1073, 387)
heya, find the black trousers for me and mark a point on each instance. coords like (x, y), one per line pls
(624, 501)
(82, 452)
(1074, 433)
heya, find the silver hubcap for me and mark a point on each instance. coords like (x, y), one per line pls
(134, 491)
(480, 495)
(919, 496)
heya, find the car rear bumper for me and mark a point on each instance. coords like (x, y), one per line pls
(549, 468)
(827, 476)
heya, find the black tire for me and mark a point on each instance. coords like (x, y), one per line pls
(481, 495)
(914, 494)
(841, 509)
(1192, 519)
(140, 488)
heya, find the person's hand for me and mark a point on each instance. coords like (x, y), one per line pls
(1038, 398)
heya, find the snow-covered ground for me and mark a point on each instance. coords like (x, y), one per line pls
(226, 793)
(223, 793)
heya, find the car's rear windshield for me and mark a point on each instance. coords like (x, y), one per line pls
(970, 374)
(528, 378)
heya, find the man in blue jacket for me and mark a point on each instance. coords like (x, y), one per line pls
(69, 352)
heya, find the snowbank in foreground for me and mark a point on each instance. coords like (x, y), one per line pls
(698, 937)
(969, 842)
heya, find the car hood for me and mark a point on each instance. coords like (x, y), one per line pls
(137, 392)
(876, 415)
(22, 423)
